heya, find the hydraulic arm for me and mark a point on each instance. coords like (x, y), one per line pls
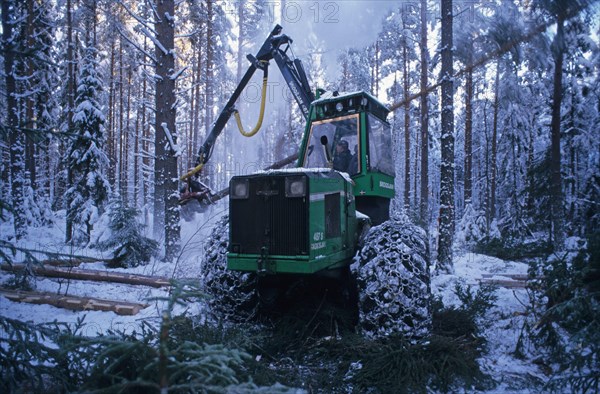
(275, 47)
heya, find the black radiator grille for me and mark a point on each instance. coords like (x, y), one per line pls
(267, 218)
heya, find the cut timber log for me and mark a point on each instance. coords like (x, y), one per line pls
(62, 263)
(509, 284)
(74, 303)
(522, 277)
(93, 275)
(74, 262)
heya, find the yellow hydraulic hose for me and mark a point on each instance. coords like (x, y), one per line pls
(260, 115)
(192, 172)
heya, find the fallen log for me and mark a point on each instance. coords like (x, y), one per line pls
(92, 275)
(509, 284)
(74, 303)
(74, 262)
(511, 276)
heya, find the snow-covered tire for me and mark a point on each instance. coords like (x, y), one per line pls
(392, 274)
(232, 295)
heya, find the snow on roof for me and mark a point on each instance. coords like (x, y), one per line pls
(345, 175)
(329, 95)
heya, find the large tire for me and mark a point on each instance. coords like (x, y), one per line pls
(392, 274)
(232, 295)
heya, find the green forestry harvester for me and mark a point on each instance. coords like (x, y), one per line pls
(326, 218)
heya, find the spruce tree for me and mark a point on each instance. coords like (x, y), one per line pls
(86, 160)
(131, 248)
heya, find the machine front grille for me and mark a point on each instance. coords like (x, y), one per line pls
(268, 219)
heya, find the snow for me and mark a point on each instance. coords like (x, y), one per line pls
(360, 215)
(329, 95)
(506, 320)
(177, 74)
(174, 147)
(345, 175)
(51, 240)
(155, 40)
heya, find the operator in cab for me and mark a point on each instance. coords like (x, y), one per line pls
(342, 156)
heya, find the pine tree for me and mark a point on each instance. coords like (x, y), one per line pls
(355, 70)
(447, 144)
(424, 114)
(166, 151)
(41, 107)
(10, 16)
(86, 160)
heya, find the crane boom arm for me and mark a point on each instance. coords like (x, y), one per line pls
(275, 47)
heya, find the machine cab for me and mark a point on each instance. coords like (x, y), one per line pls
(355, 122)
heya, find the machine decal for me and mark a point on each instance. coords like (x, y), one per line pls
(386, 185)
(318, 245)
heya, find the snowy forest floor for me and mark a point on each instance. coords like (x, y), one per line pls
(509, 361)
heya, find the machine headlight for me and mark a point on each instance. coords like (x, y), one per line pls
(295, 187)
(339, 107)
(239, 189)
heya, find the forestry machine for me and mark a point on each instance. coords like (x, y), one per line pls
(314, 221)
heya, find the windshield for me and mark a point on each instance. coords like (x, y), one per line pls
(380, 146)
(341, 135)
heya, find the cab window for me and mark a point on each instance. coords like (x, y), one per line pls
(380, 146)
(342, 132)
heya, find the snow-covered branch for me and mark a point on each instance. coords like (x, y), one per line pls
(155, 40)
(177, 74)
(175, 148)
(136, 46)
(146, 24)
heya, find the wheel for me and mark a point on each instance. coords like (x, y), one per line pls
(392, 274)
(232, 294)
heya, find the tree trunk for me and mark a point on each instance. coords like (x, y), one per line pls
(130, 146)
(146, 137)
(468, 192)
(17, 165)
(556, 196)
(121, 133)
(406, 129)
(70, 108)
(29, 121)
(240, 42)
(198, 96)
(375, 69)
(111, 121)
(446, 230)
(209, 67)
(493, 165)
(166, 195)
(424, 118)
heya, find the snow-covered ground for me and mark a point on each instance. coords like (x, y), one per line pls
(505, 320)
(51, 240)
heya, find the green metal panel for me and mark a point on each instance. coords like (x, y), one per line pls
(286, 264)
(374, 184)
(326, 252)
